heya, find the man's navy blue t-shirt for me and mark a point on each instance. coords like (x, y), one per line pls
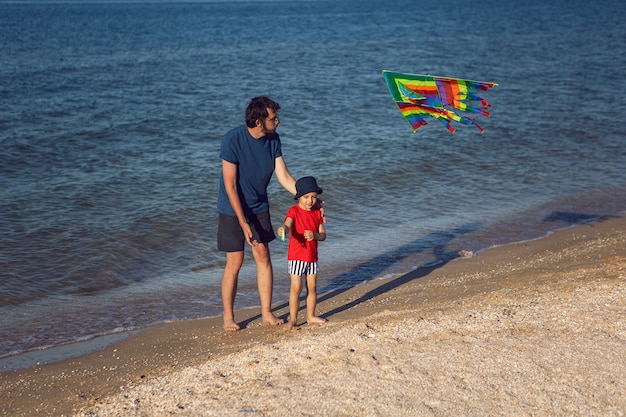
(255, 160)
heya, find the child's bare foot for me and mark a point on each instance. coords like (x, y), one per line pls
(230, 325)
(316, 320)
(290, 326)
(271, 320)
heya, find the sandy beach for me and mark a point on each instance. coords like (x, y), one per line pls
(533, 328)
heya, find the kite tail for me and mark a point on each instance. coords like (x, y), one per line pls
(479, 85)
(483, 102)
(469, 121)
(450, 115)
(486, 86)
(466, 107)
(416, 122)
(445, 116)
(475, 110)
(415, 113)
(447, 124)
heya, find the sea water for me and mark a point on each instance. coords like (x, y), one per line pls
(112, 113)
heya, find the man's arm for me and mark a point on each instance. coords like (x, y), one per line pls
(284, 177)
(229, 172)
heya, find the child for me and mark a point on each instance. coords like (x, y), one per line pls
(307, 228)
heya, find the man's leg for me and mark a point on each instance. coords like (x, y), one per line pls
(265, 282)
(234, 260)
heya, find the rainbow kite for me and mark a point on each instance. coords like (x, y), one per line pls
(421, 96)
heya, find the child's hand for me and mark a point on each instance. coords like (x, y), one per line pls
(282, 232)
(309, 235)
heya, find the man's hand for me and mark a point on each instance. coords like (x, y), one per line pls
(319, 205)
(247, 232)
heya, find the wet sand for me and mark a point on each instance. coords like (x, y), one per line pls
(533, 328)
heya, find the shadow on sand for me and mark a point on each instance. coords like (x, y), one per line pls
(571, 218)
(436, 242)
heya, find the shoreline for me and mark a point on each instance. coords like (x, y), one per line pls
(74, 349)
(563, 261)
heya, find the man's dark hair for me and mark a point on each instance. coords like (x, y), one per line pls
(257, 109)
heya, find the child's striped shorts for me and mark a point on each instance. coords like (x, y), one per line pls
(302, 267)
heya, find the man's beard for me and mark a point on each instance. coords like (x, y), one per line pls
(267, 131)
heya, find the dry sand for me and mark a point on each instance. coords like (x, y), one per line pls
(534, 328)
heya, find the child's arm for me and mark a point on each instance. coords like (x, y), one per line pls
(320, 235)
(284, 229)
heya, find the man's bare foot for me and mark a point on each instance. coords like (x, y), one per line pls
(271, 320)
(230, 325)
(316, 320)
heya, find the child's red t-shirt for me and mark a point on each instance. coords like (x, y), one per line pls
(301, 249)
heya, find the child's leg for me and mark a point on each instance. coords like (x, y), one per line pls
(294, 300)
(311, 300)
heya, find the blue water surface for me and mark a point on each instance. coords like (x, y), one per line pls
(112, 113)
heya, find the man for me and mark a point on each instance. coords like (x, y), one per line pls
(250, 155)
